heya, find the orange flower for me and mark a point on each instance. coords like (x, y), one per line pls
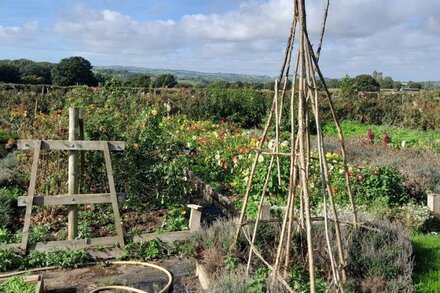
(135, 146)
(334, 190)
(246, 151)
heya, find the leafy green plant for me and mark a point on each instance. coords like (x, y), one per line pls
(9, 259)
(230, 262)
(17, 285)
(39, 233)
(145, 251)
(8, 199)
(176, 219)
(183, 249)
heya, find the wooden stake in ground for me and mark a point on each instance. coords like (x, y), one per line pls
(73, 175)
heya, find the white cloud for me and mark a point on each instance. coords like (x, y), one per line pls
(14, 34)
(393, 36)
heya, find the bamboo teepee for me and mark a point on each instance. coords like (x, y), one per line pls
(304, 101)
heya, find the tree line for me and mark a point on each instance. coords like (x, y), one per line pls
(73, 71)
(78, 71)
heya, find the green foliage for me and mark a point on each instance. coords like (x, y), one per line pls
(73, 71)
(182, 249)
(230, 262)
(39, 233)
(300, 282)
(17, 285)
(8, 200)
(399, 136)
(9, 73)
(245, 107)
(9, 259)
(165, 81)
(366, 82)
(144, 251)
(176, 219)
(414, 85)
(380, 185)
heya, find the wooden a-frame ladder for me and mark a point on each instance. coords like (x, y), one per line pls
(32, 200)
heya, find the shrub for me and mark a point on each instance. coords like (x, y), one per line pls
(380, 261)
(245, 107)
(413, 216)
(8, 200)
(144, 251)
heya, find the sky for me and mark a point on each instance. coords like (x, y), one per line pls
(400, 38)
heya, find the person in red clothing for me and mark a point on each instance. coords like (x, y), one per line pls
(386, 140)
(370, 135)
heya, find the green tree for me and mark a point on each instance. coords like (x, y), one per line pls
(73, 71)
(140, 80)
(387, 83)
(9, 73)
(365, 82)
(414, 85)
(397, 85)
(347, 85)
(165, 80)
(35, 72)
(221, 84)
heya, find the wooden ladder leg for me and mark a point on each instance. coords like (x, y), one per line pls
(30, 197)
(113, 196)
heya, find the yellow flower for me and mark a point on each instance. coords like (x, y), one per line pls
(135, 146)
(154, 112)
(183, 212)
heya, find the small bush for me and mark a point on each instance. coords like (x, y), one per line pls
(381, 261)
(144, 251)
(8, 200)
(245, 107)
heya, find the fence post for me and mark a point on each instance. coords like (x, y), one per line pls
(195, 217)
(72, 226)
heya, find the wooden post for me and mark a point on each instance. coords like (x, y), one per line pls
(72, 226)
(81, 154)
(195, 217)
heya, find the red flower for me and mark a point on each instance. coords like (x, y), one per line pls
(203, 140)
(192, 153)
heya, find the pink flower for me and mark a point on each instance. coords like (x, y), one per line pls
(360, 177)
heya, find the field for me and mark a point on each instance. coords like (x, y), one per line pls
(212, 133)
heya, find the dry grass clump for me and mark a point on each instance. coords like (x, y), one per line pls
(213, 244)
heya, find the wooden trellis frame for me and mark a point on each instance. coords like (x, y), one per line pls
(32, 200)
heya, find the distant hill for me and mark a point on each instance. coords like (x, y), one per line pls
(184, 74)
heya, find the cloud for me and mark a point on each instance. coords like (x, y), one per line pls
(14, 34)
(362, 35)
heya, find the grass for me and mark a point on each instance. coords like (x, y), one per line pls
(412, 137)
(426, 247)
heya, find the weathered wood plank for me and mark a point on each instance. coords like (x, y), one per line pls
(40, 285)
(31, 193)
(26, 144)
(50, 200)
(165, 237)
(70, 244)
(113, 196)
